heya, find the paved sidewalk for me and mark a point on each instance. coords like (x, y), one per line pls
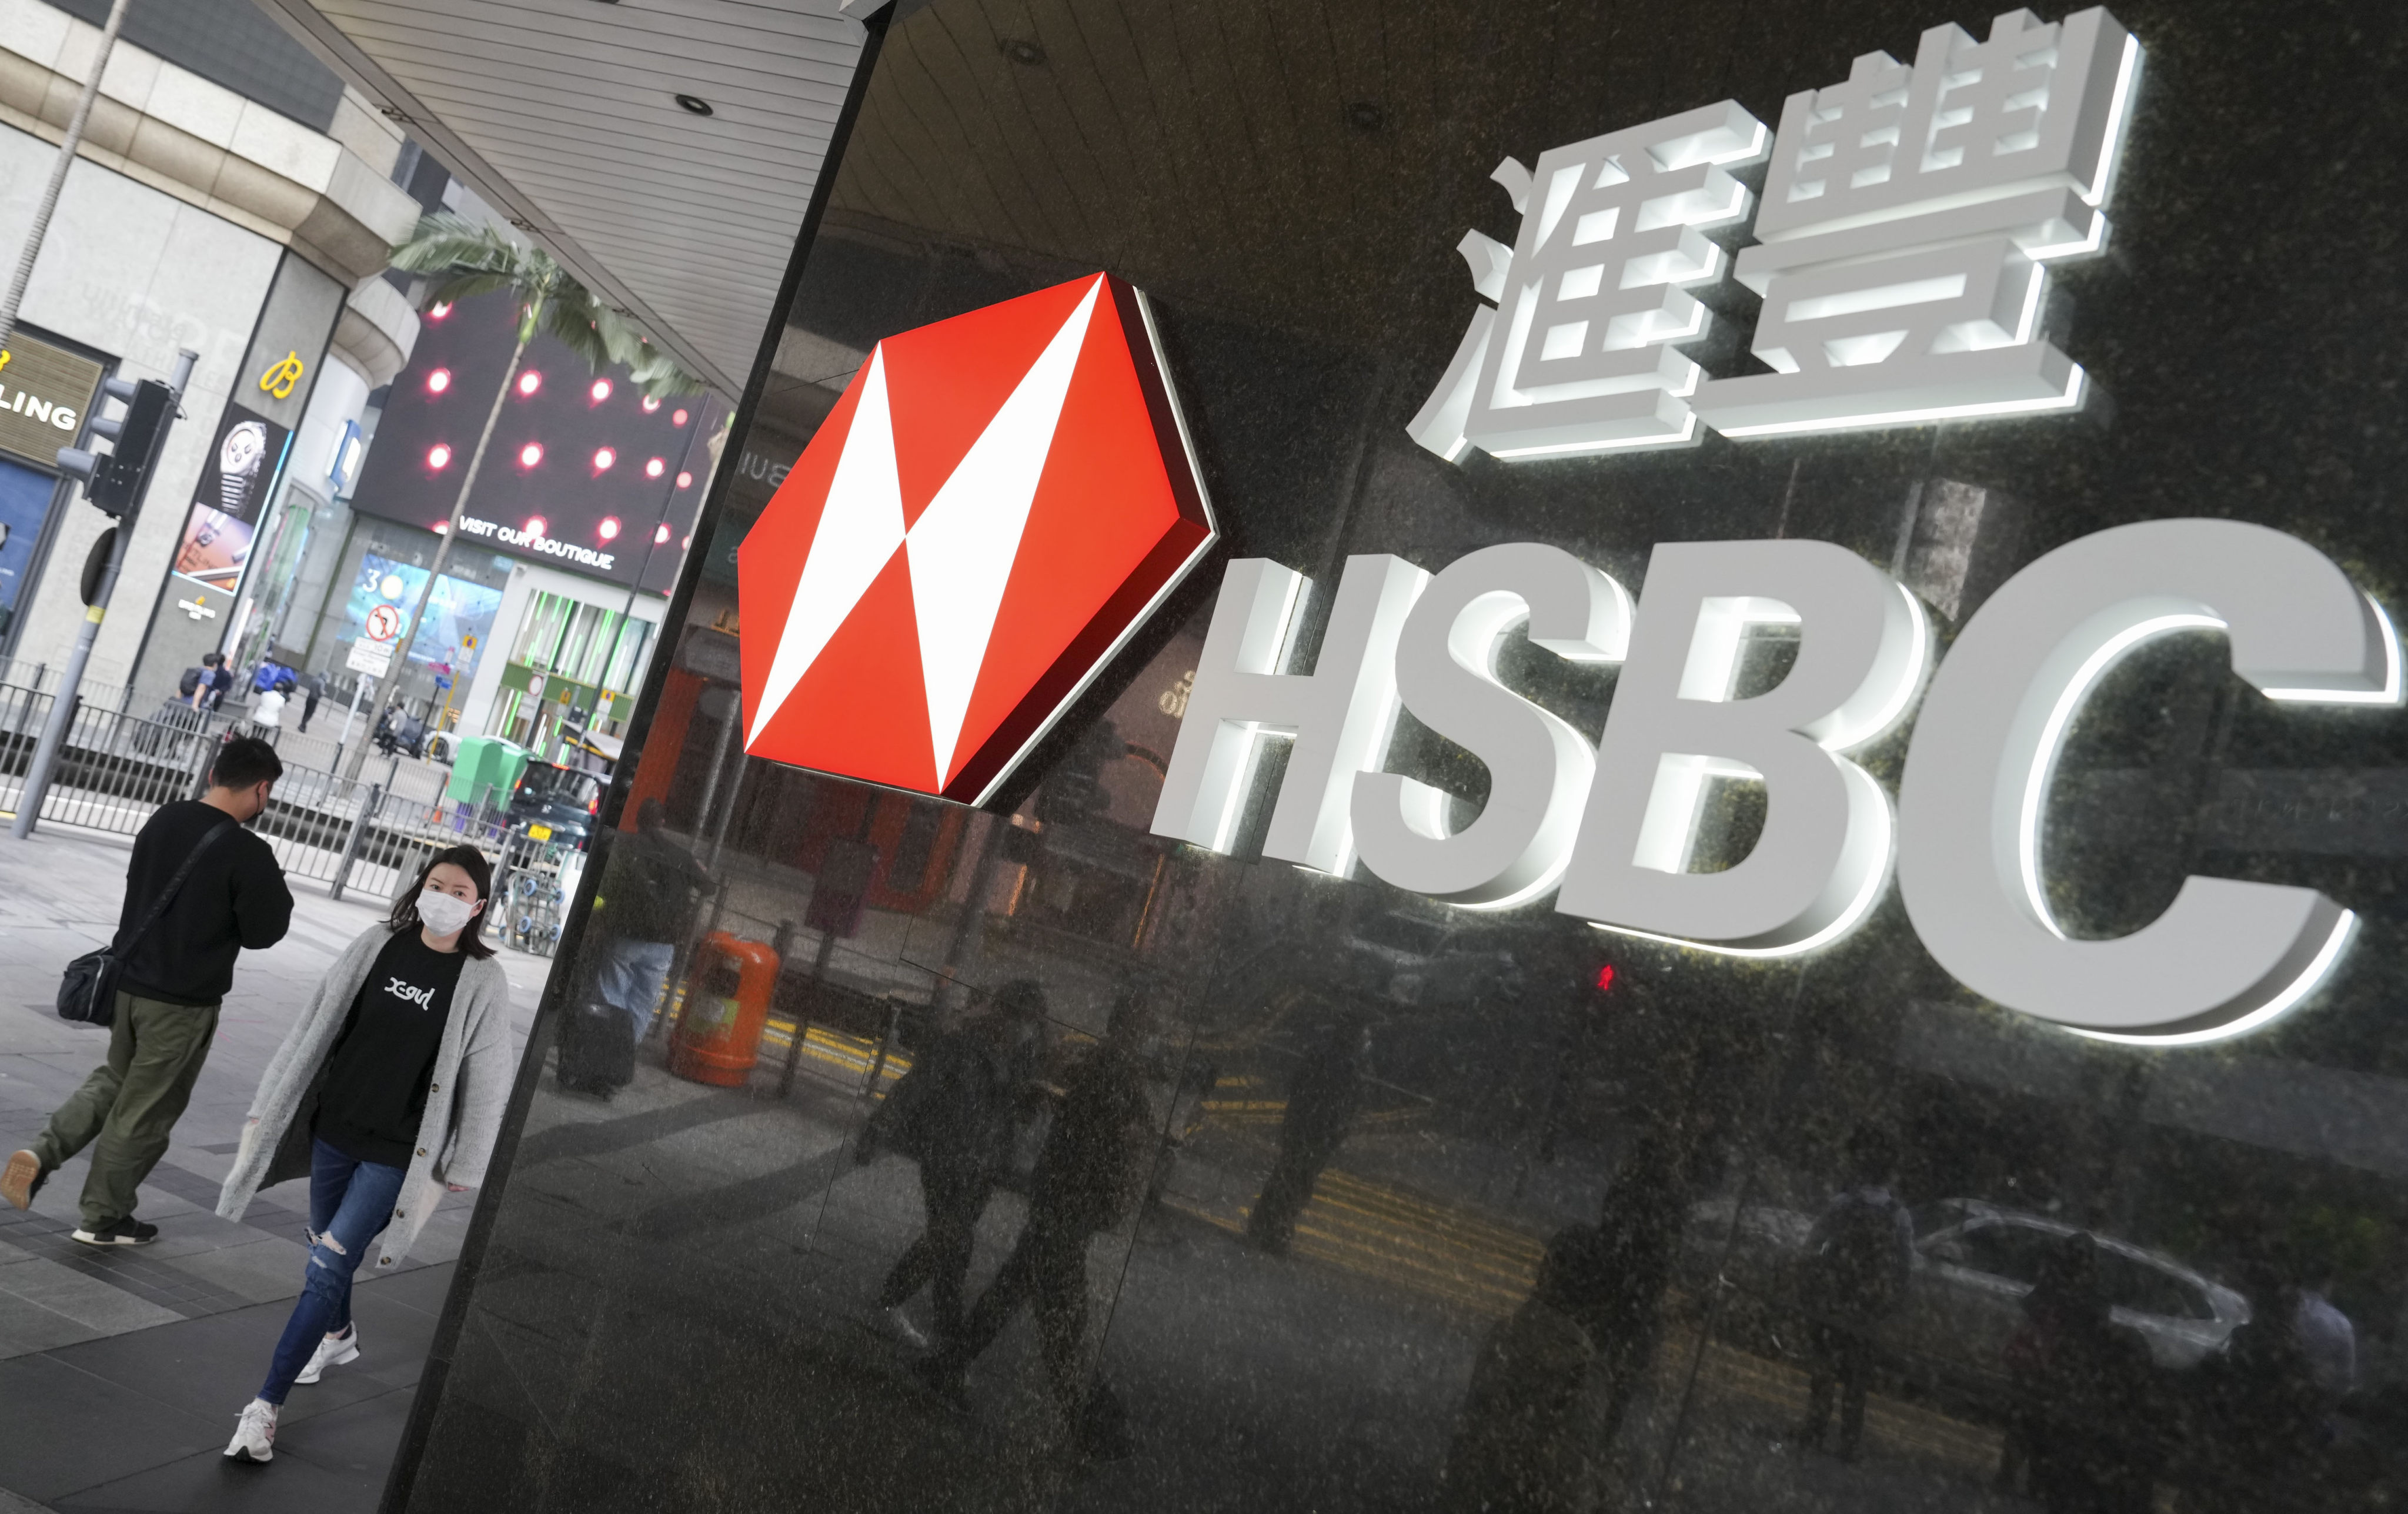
(120, 1372)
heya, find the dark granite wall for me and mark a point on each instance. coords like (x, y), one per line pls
(1553, 1257)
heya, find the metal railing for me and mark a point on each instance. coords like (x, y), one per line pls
(369, 835)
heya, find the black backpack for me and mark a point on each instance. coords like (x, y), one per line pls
(190, 682)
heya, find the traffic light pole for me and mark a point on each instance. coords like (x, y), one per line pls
(54, 731)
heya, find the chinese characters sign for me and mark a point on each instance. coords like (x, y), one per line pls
(1910, 216)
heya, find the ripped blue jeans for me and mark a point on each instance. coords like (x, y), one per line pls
(350, 1203)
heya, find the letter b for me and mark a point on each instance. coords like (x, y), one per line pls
(1819, 861)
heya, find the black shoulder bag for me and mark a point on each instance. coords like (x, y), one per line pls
(87, 989)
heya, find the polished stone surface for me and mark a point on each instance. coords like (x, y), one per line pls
(1549, 1253)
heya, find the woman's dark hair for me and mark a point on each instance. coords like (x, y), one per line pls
(481, 872)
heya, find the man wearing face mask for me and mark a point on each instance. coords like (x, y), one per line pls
(169, 981)
(387, 1091)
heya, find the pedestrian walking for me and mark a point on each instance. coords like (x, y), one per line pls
(171, 981)
(1323, 1099)
(313, 688)
(387, 1091)
(2087, 1417)
(216, 679)
(1859, 1260)
(1088, 1177)
(268, 709)
(955, 1114)
(644, 908)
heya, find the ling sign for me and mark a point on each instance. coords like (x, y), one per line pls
(1609, 828)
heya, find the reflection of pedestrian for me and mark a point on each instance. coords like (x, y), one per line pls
(2084, 1422)
(1857, 1261)
(1552, 1384)
(1323, 1098)
(2329, 1341)
(645, 907)
(2262, 1410)
(954, 1114)
(1088, 1175)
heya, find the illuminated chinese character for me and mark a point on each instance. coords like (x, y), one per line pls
(1581, 351)
(1910, 216)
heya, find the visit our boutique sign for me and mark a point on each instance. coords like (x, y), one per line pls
(936, 563)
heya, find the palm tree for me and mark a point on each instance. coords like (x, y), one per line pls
(466, 258)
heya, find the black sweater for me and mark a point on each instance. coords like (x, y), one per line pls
(234, 898)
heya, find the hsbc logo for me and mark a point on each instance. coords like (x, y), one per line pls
(995, 504)
(1608, 823)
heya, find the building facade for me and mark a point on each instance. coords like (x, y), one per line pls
(230, 197)
(1622, 492)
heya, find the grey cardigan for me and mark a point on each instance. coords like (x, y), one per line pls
(470, 1088)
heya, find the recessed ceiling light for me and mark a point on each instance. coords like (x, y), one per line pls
(695, 103)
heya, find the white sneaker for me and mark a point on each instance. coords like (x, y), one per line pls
(254, 1434)
(909, 1329)
(334, 1351)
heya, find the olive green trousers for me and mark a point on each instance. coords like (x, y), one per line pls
(131, 1102)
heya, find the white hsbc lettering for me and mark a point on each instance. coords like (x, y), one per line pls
(423, 997)
(1610, 827)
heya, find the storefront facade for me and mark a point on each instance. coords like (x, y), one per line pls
(1876, 531)
(230, 198)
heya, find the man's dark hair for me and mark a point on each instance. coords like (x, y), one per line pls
(243, 761)
(212, 659)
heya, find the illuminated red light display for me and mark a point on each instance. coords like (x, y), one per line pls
(537, 525)
(685, 481)
(572, 448)
(1605, 977)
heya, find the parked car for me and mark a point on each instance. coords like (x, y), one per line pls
(556, 804)
(1409, 960)
(1973, 1263)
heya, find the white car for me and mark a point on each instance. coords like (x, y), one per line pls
(1974, 1263)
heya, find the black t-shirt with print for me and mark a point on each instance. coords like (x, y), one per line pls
(375, 1091)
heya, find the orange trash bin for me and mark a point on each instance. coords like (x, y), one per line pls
(718, 1036)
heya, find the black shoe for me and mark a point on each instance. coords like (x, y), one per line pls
(126, 1232)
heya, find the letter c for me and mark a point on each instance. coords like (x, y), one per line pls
(2226, 956)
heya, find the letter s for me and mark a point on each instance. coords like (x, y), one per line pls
(1538, 767)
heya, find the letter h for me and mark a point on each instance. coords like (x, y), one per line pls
(1339, 717)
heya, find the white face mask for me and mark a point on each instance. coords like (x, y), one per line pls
(442, 913)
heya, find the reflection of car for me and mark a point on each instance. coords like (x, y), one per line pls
(556, 804)
(1407, 960)
(1973, 1265)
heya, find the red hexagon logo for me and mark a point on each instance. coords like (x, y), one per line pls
(992, 509)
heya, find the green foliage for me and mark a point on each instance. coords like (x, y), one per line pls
(463, 259)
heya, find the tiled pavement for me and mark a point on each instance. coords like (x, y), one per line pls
(121, 1373)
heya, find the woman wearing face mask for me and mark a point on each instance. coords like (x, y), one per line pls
(388, 1089)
